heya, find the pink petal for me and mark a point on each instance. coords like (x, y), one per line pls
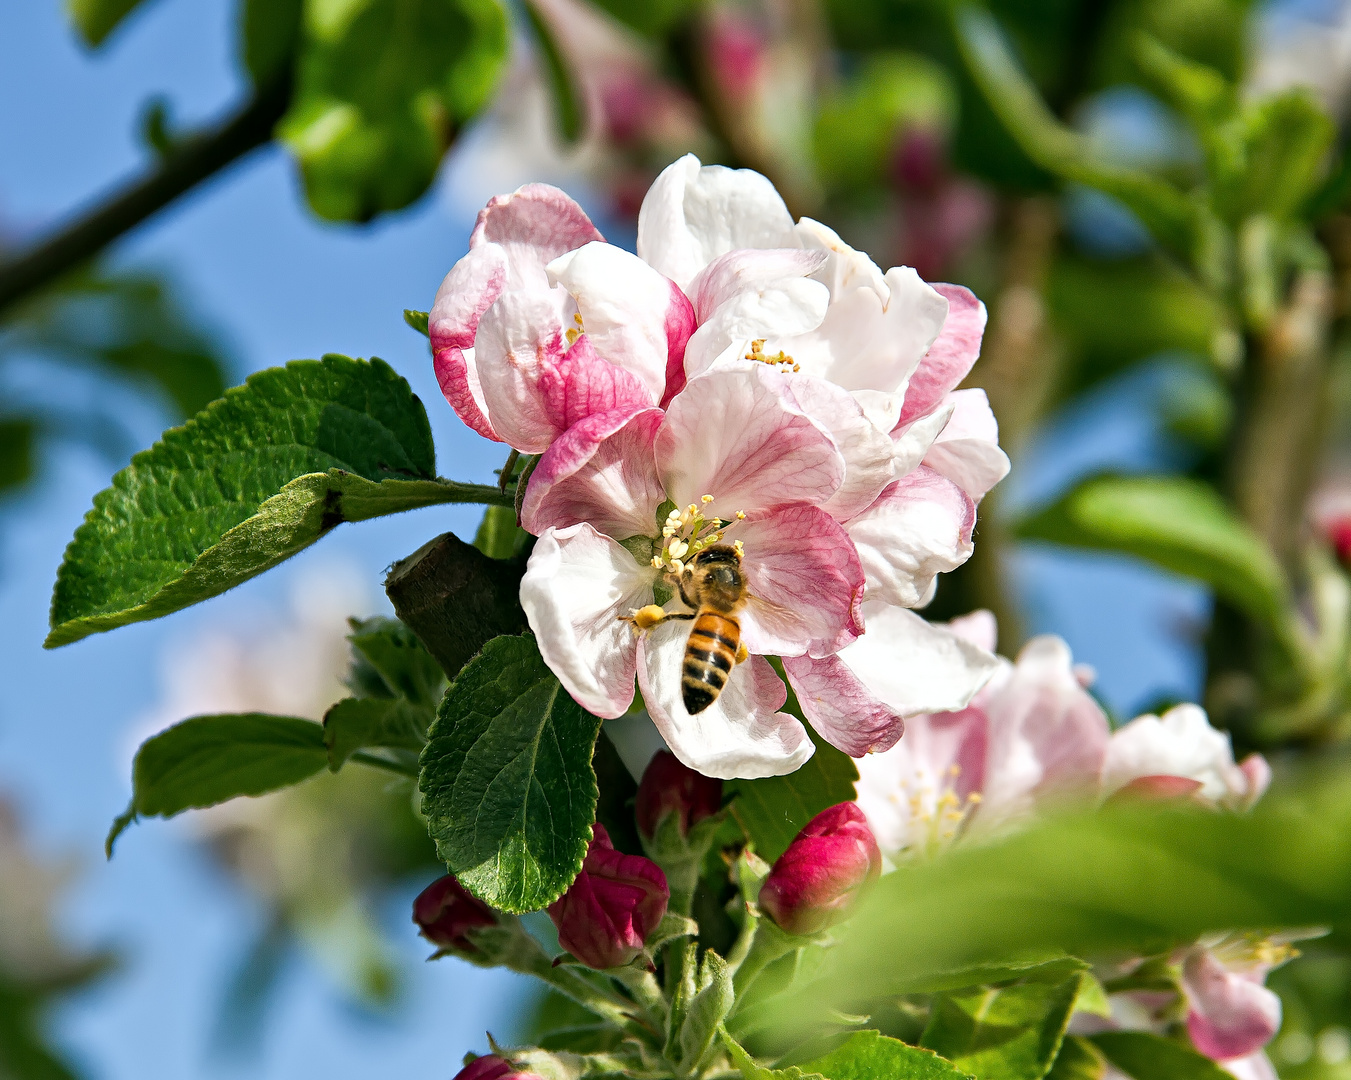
(803, 579)
(915, 666)
(466, 293)
(867, 451)
(534, 385)
(1231, 1014)
(1253, 1067)
(739, 435)
(773, 311)
(1180, 743)
(576, 586)
(1164, 789)
(918, 528)
(910, 442)
(951, 355)
(967, 450)
(626, 309)
(601, 470)
(693, 213)
(1047, 734)
(1258, 773)
(680, 324)
(742, 734)
(534, 225)
(840, 707)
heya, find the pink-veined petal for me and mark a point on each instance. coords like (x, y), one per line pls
(1231, 1014)
(803, 580)
(840, 707)
(967, 450)
(576, 586)
(470, 288)
(601, 470)
(626, 309)
(786, 306)
(533, 225)
(739, 435)
(919, 527)
(867, 451)
(742, 734)
(951, 355)
(1047, 734)
(693, 213)
(916, 666)
(535, 385)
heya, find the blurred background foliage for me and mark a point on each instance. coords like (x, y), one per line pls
(1137, 188)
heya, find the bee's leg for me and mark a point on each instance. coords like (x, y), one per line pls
(646, 618)
(742, 653)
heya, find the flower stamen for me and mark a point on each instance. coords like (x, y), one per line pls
(780, 359)
(687, 532)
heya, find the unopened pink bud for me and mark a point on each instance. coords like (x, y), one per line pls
(492, 1067)
(616, 901)
(669, 787)
(818, 878)
(444, 911)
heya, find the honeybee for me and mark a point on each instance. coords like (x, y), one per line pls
(714, 587)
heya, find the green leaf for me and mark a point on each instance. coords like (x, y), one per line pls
(773, 810)
(867, 1055)
(269, 37)
(750, 1070)
(569, 112)
(253, 479)
(1166, 212)
(209, 759)
(507, 785)
(1148, 1057)
(1134, 880)
(403, 665)
(1078, 1059)
(1003, 1033)
(1179, 524)
(498, 536)
(418, 320)
(1052, 969)
(1285, 141)
(355, 723)
(96, 19)
(382, 89)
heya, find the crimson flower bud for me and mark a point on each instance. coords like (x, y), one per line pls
(616, 901)
(492, 1067)
(826, 866)
(444, 911)
(670, 787)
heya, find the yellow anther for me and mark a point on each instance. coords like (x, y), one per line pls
(656, 562)
(739, 549)
(741, 515)
(677, 549)
(705, 499)
(572, 336)
(975, 797)
(954, 770)
(577, 318)
(677, 567)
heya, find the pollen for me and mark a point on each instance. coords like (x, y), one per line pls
(685, 533)
(780, 359)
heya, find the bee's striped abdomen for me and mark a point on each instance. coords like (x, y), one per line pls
(709, 658)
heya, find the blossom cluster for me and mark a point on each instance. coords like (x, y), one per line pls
(743, 382)
(1035, 737)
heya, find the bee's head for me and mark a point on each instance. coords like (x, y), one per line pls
(717, 553)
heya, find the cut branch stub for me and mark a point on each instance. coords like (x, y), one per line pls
(456, 599)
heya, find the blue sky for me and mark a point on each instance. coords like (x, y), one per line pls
(281, 285)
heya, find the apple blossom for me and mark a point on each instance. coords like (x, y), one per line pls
(817, 880)
(445, 912)
(670, 788)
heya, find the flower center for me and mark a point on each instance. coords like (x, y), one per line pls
(780, 359)
(938, 822)
(688, 532)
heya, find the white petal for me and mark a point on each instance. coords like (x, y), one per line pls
(847, 267)
(692, 214)
(910, 445)
(916, 666)
(967, 450)
(866, 449)
(741, 735)
(1181, 743)
(576, 586)
(784, 306)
